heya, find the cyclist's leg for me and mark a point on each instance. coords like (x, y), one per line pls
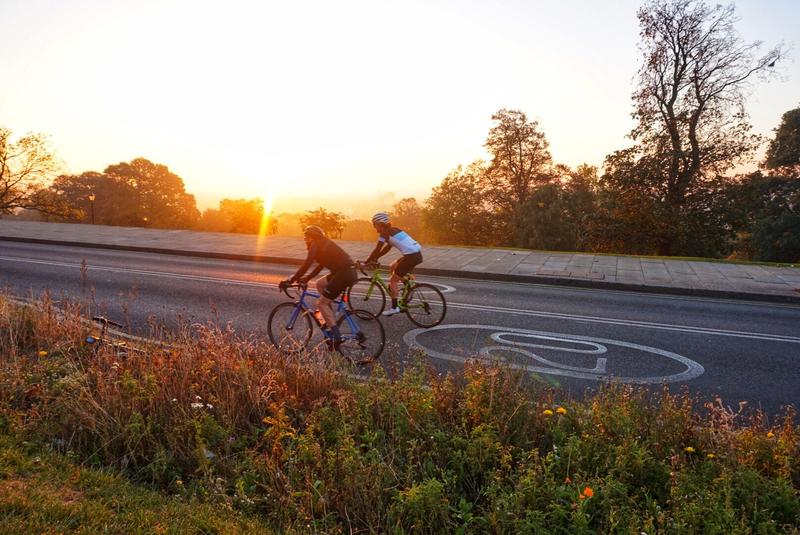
(335, 284)
(324, 302)
(394, 281)
(400, 270)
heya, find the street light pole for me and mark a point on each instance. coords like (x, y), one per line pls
(91, 205)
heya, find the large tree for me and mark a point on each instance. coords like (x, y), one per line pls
(160, 194)
(93, 197)
(407, 214)
(769, 217)
(457, 212)
(689, 105)
(783, 153)
(332, 223)
(520, 159)
(27, 165)
(246, 216)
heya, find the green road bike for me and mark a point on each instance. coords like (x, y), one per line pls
(423, 303)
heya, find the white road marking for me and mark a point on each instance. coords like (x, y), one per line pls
(651, 295)
(597, 373)
(629, 323)
(464, 306)
(444, 288)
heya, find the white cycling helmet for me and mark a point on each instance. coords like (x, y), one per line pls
(380, 217)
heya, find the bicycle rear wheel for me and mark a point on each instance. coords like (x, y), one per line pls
(364, 295)
(363, 334)
(290, 328)
(425, 305)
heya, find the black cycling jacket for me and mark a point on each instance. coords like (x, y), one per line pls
(327, 254)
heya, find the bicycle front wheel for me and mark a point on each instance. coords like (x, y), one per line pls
(290, 328)
(366, 295)
(425, 305)
(363, 336)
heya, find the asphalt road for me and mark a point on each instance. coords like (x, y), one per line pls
(575, 338)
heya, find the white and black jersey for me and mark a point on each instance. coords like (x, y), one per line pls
(394, 237)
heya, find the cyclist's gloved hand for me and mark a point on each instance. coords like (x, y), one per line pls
(284, 284)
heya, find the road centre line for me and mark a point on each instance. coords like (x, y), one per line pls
(463, 306)
(628, 323)
(651, 295)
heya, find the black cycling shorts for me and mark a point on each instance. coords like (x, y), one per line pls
(337, 281)
(407, 263)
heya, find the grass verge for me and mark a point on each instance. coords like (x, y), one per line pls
(229, 426)
(43, 492)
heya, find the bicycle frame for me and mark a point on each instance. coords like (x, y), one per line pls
(378, 279)
(341, 308)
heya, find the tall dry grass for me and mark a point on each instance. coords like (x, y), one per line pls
(209, 413)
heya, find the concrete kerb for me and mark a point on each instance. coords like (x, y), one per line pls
(473, 275)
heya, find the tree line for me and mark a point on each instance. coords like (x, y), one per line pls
(672, 192)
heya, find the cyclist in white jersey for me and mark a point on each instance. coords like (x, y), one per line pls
(388, 237)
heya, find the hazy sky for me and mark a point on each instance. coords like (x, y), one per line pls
(337, 98)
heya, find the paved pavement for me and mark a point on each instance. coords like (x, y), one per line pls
(682, 277)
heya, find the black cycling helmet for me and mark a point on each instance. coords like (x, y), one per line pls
(313, 232)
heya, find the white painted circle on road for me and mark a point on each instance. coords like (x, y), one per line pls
(444, 288)
(579, 343)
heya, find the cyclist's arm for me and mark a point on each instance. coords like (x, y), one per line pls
(312, 256)
(315, 272)
(378, 252)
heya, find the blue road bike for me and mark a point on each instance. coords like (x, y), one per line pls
(291, 327)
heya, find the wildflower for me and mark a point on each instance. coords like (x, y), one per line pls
(179, 483)
(688, 449)
(770, 434)
(174, 400)
(43, 353)
(547, 412)
(588, 492)
(561, 410)
(197, 405)
(711, 456)
(567, 480)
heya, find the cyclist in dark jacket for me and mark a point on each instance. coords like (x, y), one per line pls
(326, 254)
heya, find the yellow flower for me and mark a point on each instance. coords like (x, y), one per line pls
(547, 412)
(688, 449)
(711, 456)
(43, 353)
(561, 410)
(770, 434)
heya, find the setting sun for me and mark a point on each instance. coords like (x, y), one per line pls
(347, 98)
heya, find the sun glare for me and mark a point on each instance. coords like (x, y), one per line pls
(266, 216)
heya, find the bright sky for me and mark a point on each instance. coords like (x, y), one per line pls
(322, 98)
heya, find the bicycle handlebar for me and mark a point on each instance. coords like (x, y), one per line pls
(285, 288)
(369, 265)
